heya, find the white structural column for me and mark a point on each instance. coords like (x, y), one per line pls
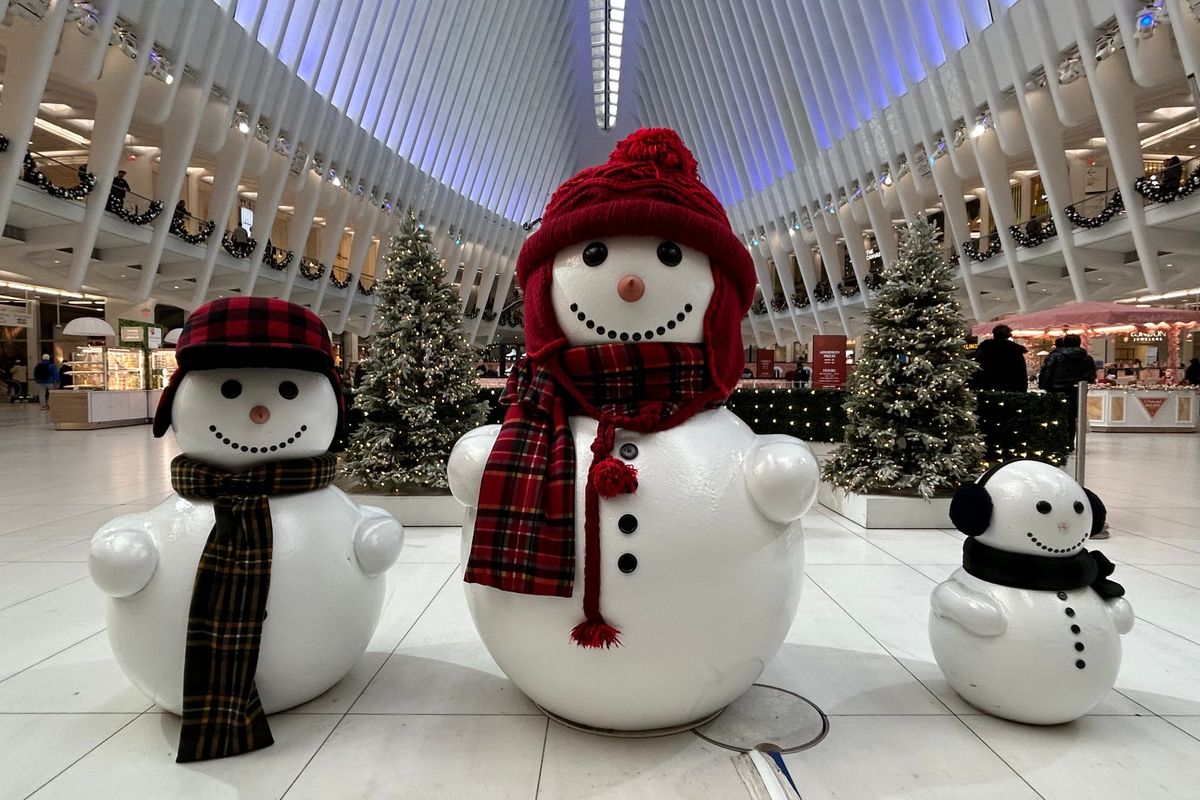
(29, 52)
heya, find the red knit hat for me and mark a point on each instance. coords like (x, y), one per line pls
(649, 187)
(252, 332)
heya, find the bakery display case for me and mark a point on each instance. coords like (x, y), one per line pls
(162, 367)
(114, 384)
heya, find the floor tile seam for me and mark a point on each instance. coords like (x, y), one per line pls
(537, 789)
(91, 750)
(48, 591)
(886, 649)
(1002, 759)
(1146, 569)
(845, 525)
(309, 761)
(1142, 706)
(1184, 731)
(399, 642)
(52, 655)
(1157, 626)
(1143, 536)
(438, 714)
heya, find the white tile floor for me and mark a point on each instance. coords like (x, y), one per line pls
(427, 714)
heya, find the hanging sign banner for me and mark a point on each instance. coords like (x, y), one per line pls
(14, 317)
(829, 362)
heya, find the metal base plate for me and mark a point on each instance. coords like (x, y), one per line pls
(767, 718)
(648, 734)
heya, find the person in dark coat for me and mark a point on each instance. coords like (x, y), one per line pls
(1064, 369)
(1172, 172)
(1001, 363)
(1192, 373)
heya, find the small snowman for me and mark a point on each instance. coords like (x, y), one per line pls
(1029, 629)
(258, 584)
(633, 551)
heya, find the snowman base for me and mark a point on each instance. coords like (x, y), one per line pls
(652, 733)
(873, 511)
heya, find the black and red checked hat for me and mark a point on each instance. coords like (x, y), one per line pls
(236, 332)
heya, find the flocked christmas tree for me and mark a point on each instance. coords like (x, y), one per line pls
(417, 393)
(911, 414)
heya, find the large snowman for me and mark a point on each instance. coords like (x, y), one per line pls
(257, 580)
(633, 550)
(1030, 627)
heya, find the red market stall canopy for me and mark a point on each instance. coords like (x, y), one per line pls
(1094, 319)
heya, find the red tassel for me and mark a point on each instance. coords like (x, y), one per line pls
(595, 634)
(612, 477)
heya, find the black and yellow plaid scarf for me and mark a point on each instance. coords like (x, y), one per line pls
(222, 715)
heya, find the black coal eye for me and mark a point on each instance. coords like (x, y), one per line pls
(670, 254)
(1043, 507)
(288, 390)
(595, 253)
(231, 389)
(1078, 507)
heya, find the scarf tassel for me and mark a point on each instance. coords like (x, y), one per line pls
(595, 634)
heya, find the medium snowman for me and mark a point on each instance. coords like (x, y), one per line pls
(258, 584)
(1029, 629)
(633, 551)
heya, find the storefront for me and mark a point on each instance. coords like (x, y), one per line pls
(1140, 353)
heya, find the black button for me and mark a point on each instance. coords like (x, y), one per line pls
(1081, 663)
(1079, 646)
(1074, 629)
(1062, 595)
(629, 451)
(1070, 611)
(627, 523)
(627, 562)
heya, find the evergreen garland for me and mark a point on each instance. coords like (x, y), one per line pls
(823, 291)
(238, 249)
(1151, 187)
(311, 269)
(340, 283)
(200, 237)
(971, 248)
(1041, 234)
(32, 173)
(277, 258)
(418, 393)
(911, 426)
(1113, 206)
(800, 298)
(134, 218)
(779, 302)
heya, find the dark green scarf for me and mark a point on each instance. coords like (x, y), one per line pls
(222, 715)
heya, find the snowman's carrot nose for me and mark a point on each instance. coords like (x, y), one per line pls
(260, 414)
(631, 288)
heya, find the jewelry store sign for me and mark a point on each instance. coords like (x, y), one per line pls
(14, 317)
(1146, 337)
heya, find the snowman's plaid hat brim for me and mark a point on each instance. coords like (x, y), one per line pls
(238, 332)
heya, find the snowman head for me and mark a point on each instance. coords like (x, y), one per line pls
(1028, 507)
(638, 249)
(631, 289)
(256, 382)
(235, 418)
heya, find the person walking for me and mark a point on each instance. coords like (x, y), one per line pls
(1001, 363)
(1062, 372)
(20, 379)
(45, 375)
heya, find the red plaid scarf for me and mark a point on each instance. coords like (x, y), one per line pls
(524, 538)
(222, 715)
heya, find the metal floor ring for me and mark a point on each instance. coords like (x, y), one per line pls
(767, 718)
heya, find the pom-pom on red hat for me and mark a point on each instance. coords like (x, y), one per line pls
(238, 332)
(650, 186)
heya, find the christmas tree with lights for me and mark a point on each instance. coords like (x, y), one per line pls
(911, 416)
(417, 393)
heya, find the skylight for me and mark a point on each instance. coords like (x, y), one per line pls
(606, 24)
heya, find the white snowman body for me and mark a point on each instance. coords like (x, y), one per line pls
(701, 567)
(328, 553)
(1035, 656)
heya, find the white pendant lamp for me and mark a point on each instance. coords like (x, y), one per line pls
(88, 326)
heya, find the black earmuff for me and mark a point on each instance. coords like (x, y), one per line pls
(971, 509)
(1099, 512)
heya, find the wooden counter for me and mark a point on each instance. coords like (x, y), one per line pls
(1142, 410)
(83, 409)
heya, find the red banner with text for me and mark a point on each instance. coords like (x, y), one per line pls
(829, 362)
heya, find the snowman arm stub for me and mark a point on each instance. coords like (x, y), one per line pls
(467, 462)
(976, 612)
(1121, 612)
(378, 538)
(122, 556)
(782, 476)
